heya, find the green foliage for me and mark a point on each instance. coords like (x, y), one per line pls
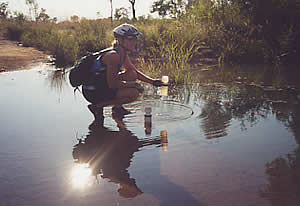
(33, 7)
(236, 31)
(247, 31)
(173, 8)
(66, 41)
(14, 31)
(121, 13)
(170, 56)
(67, 50)
(43, 17)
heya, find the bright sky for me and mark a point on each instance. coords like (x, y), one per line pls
(63, 9)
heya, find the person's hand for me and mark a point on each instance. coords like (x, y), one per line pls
(159, 83)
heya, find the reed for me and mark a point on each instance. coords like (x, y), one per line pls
(172, 60)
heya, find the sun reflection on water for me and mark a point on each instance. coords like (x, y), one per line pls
(81, 175)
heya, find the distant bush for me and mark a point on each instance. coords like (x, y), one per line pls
(14, 31)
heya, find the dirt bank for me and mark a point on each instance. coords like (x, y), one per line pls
(14, 57)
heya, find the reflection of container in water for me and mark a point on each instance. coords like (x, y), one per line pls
(148, 111)
(164, 91)
(165, 79)
(148, 121)
(164, 140)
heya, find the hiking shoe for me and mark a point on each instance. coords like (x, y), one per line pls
(120, 111)
(96, 111)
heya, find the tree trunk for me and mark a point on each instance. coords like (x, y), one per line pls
(133, 9)
(111, 12)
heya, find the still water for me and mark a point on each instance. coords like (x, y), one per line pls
(206, 144)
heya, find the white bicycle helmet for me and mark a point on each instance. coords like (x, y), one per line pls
(125, 31)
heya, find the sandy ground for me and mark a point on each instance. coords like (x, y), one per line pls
(14, 57)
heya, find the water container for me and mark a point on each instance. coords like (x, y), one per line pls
(148, 120)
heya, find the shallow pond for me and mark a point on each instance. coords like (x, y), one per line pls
(207, 144)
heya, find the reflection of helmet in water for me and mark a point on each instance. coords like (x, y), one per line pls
(126, 31)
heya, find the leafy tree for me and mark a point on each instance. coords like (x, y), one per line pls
(111, 11)
(162, 7)
(43, 17)
(33, 8)
(3, 9)
(191, 3)
(177, 7)
(174, 8)
(54, 20)
(19, 17)
(279, 23)
(121, 13)
(74, 19)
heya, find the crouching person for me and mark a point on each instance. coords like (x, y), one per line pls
(113, 87)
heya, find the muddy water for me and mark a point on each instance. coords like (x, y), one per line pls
(207, 143)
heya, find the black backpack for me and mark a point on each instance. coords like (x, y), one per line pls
(81, 72)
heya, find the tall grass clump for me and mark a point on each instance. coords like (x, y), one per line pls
(170, 58)
(167, 31)
(67, 50)
(168, 48)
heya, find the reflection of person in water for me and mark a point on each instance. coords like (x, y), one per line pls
(110, 152)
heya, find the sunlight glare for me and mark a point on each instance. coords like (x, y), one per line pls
(81, 174)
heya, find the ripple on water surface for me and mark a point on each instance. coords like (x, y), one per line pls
(162, 110)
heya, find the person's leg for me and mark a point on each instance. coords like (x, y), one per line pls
(91, 97)
(123, 96)
(96, 111)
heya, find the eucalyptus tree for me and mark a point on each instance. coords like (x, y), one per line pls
(174, 8)
(161, 6)
(43, 16)
(121, 13)
(111, 10)
(33, 8)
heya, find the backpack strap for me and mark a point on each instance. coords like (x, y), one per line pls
(112, 49)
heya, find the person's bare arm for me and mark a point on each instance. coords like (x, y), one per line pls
(140, 76)
(112, 60)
